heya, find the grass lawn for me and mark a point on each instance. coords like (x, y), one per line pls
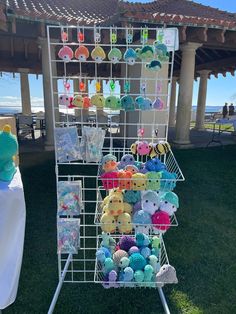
(209, 126)
(202, 248)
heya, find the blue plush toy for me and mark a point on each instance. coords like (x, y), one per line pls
(128, 274)
(106, 251)
(143, 103)
(150, 202)
(142, 239)
(130, 56)
(126, 160)
(137, 261)
(127, 103)
(168, 180)
(155, 164)
(100, 256)
(131, 196)
(142, 221)
(8, 149)
(146, 252)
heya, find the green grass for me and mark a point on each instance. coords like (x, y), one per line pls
(210, 126)
(202, 248)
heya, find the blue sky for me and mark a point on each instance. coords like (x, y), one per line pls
(220, 90)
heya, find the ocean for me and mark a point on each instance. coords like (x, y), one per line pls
(14, 110)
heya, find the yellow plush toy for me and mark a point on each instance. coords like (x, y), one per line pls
(139, 181)
(78, 101)
(108, 223)
(124, 223)
(98, 101)
(115, 206)
(128, 208)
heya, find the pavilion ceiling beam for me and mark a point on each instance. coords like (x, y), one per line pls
(198, 34)
(199, 58)
(217, 34)
(230, 37)
(206, 54)
(217, 64)
(12, 47)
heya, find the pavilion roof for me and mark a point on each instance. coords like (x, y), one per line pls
(97, 11)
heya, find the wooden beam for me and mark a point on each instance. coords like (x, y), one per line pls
(205, 53)
(198, 34)
(26, 43)
(182, 33)
(217, 64)
(230, 37)
(41, 29)
(12, 47)
(199, 58)
(217, 34)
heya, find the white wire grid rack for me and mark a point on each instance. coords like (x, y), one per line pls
(99, 276)
(121, 130)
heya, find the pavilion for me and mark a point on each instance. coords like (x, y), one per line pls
(207, 39)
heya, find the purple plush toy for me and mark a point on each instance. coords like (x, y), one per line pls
(126, 160)
(126, 242)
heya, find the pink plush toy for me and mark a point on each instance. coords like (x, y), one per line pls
(110, 180)
(66, 53)
(141, 148)
(161, 221)
(64, 100)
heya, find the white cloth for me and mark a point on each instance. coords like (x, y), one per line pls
(230, 120)
(12, 231)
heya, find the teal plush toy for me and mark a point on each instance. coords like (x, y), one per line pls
(8, 149)
(145, 53)
(137, 261)
(113, 102)
(139, 276)
(149, 276)
(127, 103)
(108, 265)
(153, 180)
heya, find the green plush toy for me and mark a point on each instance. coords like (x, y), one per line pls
(8, 149)
(153, 180)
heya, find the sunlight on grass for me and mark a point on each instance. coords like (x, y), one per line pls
(183, 304)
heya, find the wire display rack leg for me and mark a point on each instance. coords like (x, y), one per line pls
(59, 286)
(163, 301)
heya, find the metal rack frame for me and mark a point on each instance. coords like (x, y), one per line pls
(82, 267)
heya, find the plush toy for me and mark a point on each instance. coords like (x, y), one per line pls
(108, 242)
(117, 256)
(137, 206)
(127, 103)
(113, 102)
(128, 274)
(161, 148)
(98, 101)
(145, 52)
(66, 53)
(124, 181)
(155, 242)
(134, 249)
(98, 54)
(141, 217)
(131, 196)
(138, 276)
(167, 274)
(64, 100)
(132, 168)
(8, 149)
(148, 273)
(153, 261)
(146, 252)
(150, 202)
(130, 56)
(139, 181)
(86, 103)
(154, 65)
(168, 180)
(126, 160)
(108, 223)
(100, 256)
(126, 242)
(106, 251)
(154, 164)
(124, 223)
(137, 261)
(108, 265)
(124, 262)
(169, 203)
(161, 51)
(109, 163)
(82, 53)
(142, 240)
(141, 166)
(158, 104)
(114, 55)
(128, 208)
(78, 101)
(115, 206)
(161, 221)
(143, 103)
(111, 283)
(109, 180)
(141, 148)
(153, 180)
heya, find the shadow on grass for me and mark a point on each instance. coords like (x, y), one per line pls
(202, 248)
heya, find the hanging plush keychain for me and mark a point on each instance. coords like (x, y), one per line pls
(114, 54)
(112, 101)
(65, 53)
(130, 55)
(142, 102)
(158, 148)
(65, 99)
(158, 102)
(140, 147)
(98, 54)
(159, 46)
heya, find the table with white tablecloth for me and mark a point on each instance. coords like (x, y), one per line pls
(12, 231)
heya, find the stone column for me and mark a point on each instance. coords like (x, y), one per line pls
(201, 102)
(172, 102)
(25, 92)
(50, 101)
(184, 106)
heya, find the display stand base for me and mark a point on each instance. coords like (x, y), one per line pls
(61, 280)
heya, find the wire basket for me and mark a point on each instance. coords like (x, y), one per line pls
(145, 228)
(100, 277)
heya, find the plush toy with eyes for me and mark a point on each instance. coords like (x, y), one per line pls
(132, 168)
(145, 53)
(110, 180)
(169, 203)
(155, 164)
(109, 163)
(64, 100)
(127, 159)
(113, 102)
(140, 148)
(139, 181)
(114, 55)
(66, 53)
(143, 103)
(141, 222)
(108, 223)
(78, 101)
(153, 180)
(98, 54)
(127, 103)
(124, 223)
(130, 56)
(115, 206)
(98, 101)
(160, 148)
(131, 196)
(150, 202)
(161, 221)
(124, 182)
(168, 180)
(167, 274)
(82, 53)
